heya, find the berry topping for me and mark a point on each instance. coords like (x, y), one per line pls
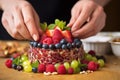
(92, 66)
(8, 63)
(41, 68)
(49, 33)
(69, 45)
(51, 46)
(67, 35)
(47, 41)
(61, 69)
(57, 36)
(39, 45)
(78, 44)
(35, 44)
(58, 46)
(64, 46)
(45, 46)
(63, 41)
(50, 68)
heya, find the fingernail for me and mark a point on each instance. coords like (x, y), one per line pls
(35, 37)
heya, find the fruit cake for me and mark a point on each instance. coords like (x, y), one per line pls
(57, 52)
(56, 45)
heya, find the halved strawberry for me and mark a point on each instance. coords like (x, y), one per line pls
(58, 28)
(67, 35)
(57, 36)
(49, 33)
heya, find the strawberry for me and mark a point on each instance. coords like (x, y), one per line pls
(47, 40)
(8, 63)
(57, 36)
(61, 69)
(49, 33)
(67, 35)
(58, 28)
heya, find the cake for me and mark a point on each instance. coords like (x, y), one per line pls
(56, 45)
(57, 52)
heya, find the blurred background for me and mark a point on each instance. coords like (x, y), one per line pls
(113, 16)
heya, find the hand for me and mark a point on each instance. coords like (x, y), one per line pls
(90, 12)
(20, 20)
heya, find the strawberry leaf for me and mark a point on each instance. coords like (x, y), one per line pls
(51, 26)
(67, 28)
(57, 21)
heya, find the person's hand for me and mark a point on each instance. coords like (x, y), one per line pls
(87, 18)
(20, 20)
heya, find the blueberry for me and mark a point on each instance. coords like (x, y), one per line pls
(39, 45)
(64, 46)
(31, 43)
(69, 45)
(63, 41)
(34, 70)
(51, 46)
(14, 66)
(19, 67)
(58, 46)
(78, 44)
(35, 44)
(73, 45)
(45, 46)
(76, 40)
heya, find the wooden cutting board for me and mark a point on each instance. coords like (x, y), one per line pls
(111, 71)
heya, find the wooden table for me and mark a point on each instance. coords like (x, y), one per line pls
(111, 71)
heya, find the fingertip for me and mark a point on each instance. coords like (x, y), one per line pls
(35, 37)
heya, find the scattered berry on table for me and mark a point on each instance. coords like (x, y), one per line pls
(8, 63)
(61, 69)
(14, 66)
(67, 65)
(92, 66)
(101, 62)
(19, 67)
(50, 68)
(91, 52)
(34, 69)
(70, 70)
(41, 68)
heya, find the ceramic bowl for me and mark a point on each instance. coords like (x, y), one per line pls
(115, 44)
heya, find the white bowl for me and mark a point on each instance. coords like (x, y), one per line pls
(100, 44)
(115, 47)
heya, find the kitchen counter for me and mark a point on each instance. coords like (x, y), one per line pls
(111, 71)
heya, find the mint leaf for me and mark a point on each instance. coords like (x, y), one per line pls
(43, 26)
(51, 26)
(16, 61)
(57, 21)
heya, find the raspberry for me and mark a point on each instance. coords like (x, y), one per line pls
(41, 68)
(47, 41)
(50, 68)
(8, 63)
(91, 52)
(42, 38)
(92, 66)
(57, 36)
(61, 69)
(70, 70)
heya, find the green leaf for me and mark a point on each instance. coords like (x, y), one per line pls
(51, 26)
(35, 64)
(43, 26)
(57, 21)
(16, 61)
